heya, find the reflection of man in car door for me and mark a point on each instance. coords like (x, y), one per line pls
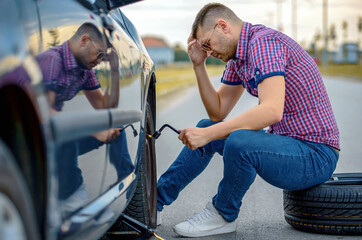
(67, 69)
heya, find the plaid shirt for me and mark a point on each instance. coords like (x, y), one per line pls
(62, 74)
(263, 52)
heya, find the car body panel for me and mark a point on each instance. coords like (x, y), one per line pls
(129, 98)
(106, 185)
(58, 27)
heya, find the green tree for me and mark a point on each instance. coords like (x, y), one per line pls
(54, 33)
(314, 49)
(345, 30)
(359, 26)
(214, 61)
(180, 54)
(333, 34)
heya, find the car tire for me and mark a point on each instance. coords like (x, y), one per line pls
(334, 207)
(17, 216)
(143, 204)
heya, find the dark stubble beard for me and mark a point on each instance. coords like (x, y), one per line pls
(81, 60)
(81, 64)
(229, 47)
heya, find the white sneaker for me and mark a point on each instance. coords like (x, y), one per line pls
(75, 201)
(207, 222)
(159, 219)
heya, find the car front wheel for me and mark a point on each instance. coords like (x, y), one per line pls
(143, 205)
(17, 217)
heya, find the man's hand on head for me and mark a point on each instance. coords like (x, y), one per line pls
(112, 58)
(196, 52)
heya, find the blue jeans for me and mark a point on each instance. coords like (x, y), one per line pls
(284, 162)
(70, 175)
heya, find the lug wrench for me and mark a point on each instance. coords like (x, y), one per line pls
(158, 133)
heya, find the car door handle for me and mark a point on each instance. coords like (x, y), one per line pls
(68, 126)
(122, 117)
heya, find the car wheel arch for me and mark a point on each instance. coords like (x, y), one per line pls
(21, 132)
(151, 97)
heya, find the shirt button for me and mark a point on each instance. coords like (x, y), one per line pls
(257, 72)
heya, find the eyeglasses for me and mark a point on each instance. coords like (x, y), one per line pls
(100, 54)
(206, 46)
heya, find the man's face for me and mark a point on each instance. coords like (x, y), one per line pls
(91, 54)
(216, 43)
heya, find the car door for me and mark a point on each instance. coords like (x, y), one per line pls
(80, 156)
(19, 42)
(123, 151)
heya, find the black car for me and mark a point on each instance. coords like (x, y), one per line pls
(77, 105)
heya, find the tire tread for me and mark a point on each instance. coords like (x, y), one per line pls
(326, 208)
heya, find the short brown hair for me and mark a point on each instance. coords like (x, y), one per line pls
(91, 30)
(211, 11)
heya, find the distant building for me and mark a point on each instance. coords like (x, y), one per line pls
(347, 53)
(158, 50)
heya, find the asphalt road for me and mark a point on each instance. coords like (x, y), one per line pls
(261, 215)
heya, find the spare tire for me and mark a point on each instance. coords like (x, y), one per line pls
(334, 207)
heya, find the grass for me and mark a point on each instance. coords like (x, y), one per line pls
(347, 70)
(176, 77)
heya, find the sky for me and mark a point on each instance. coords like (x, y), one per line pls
(172, 19)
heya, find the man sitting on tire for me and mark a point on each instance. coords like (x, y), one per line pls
(299, 150)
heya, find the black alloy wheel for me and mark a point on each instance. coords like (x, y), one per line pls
(143, 205)
(150, 173)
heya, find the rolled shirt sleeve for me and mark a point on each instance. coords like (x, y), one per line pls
(92, 82)
(230, 76)
(268, 58)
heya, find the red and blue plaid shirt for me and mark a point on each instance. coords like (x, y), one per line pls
(263, 52)
(63, 75)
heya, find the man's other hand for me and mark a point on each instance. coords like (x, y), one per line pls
(194, 137)
(107, 136)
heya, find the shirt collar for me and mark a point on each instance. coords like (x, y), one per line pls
(69, 59)
(242, 48)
